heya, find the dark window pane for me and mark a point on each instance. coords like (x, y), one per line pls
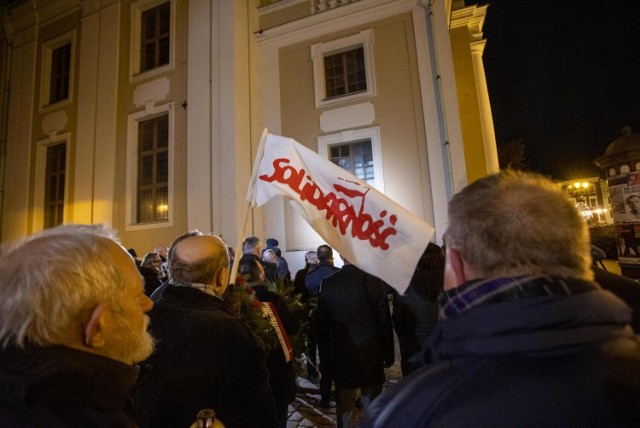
(54, 185)
(344, 73)
(146, 170)
(162, 166)
(155, 37)
(60, 74)
(153, 170)
(355, 157)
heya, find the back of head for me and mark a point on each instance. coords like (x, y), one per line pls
(515, 223)
(311, 258)
(151, 258)
(269, 256)
(198, 259)
(324, 253)
(52, 280)
(251, 245)
(251, 270)
(428, 278)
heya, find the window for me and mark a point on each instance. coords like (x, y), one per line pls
(344, 73)
(153, 170)
(343, 69)
(56, 80)
(154, 37)
(60, 73)
(356, 157)
(358, 152)
(56, 160)
(149, 188)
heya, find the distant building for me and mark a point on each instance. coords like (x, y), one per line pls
(591, 197)
(146, 114)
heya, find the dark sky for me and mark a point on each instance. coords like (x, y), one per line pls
(564, 77)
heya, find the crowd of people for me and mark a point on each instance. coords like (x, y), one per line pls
(503, 326)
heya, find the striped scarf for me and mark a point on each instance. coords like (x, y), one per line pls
(484, 291)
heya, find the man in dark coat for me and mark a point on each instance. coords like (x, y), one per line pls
(356, 329)
(525, 337)
(252, 250)
(415, 313)
(205, 357)
(72, 325)
(314, 349)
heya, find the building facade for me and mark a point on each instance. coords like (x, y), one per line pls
(146, 115)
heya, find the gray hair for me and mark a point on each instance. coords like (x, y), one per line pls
(52, 280)
(250, 244)
(516, 223)
(271, 255)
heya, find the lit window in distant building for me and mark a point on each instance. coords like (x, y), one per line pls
(153, 170)
(344, 73)
(155, 35)
(54, 185)
(60, 73)
(355, 157)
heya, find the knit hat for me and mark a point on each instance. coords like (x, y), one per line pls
(272, 243)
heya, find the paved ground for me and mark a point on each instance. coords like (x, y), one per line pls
(306, 412)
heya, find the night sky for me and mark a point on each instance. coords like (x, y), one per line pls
(563, 77)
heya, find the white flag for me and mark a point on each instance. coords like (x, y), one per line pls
(366, 227)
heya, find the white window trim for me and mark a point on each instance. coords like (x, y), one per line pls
(135, 75)
(134, 119)
(325, 142)
(320, 50)
(45, 70)
(40, 175)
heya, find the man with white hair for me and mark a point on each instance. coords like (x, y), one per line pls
(72, 326)
(525, 337)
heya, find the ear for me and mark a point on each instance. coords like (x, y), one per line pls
(222, 280)
(454, 272)
(94, 329)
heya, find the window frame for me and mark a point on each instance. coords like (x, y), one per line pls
(321, 50)
(47, 49)
(137, 8)
(40, 177)
(131, 204)
(325, 143)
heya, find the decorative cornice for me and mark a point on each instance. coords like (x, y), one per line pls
(471, 17)
(279, 5)
(333, 20)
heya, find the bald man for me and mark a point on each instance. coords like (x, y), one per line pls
(205, 356)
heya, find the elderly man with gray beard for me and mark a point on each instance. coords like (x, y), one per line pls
(72, 327)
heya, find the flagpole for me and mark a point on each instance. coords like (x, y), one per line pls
(247, 209)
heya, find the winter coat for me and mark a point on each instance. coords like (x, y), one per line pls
(205, 358)
(355, 327)
(542, 361)
(63, 387)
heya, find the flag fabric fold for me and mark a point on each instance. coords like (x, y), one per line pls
(361, 223)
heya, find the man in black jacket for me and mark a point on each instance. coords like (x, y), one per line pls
(356, 330)
(72, 325)
(205, 357)
(525, 337)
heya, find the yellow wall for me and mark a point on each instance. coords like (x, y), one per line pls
(474, 153)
